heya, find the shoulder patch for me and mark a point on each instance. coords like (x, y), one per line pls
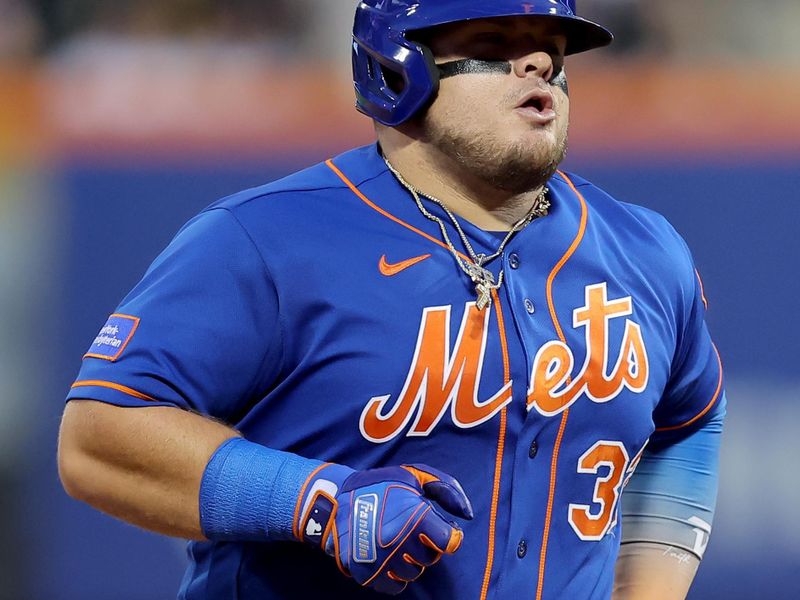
(113, 337)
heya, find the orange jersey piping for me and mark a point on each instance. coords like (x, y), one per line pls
(702, 288)
(554, 463)
(709, 406)
(386, 214)
(114, 386)
(501, 442)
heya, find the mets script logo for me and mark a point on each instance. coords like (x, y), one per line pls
(440, 378)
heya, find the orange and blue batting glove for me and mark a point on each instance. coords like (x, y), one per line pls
(383, 526)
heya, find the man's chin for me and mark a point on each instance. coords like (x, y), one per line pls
(540, 156)
(541, 144)
(527, 167)
(506, 158)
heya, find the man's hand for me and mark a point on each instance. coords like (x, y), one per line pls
(382, 526)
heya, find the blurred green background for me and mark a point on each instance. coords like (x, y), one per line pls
(118, 121)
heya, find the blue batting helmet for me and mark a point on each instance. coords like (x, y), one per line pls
(380, 42)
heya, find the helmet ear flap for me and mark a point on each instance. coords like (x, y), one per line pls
(392, 90)
(430, 87)
(433, 69)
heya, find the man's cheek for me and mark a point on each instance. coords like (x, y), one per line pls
(563, 111)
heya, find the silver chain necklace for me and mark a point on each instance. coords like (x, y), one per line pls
(481, 277)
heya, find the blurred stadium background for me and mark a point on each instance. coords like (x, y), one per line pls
(119, 120)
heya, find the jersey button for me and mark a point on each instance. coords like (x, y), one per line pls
(529, 306)
(522, 548)
(534, 449)
(513, 260)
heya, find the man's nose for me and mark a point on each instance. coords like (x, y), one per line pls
(539, 64)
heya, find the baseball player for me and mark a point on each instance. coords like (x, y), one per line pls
(426, 367)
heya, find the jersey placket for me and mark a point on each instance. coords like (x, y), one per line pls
(532, 262)
(507, 539)
(529, 440)
(531, 454)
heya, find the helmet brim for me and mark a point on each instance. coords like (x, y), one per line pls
(582, 35)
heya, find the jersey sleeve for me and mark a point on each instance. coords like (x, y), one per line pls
(200, 331)
(695, 386)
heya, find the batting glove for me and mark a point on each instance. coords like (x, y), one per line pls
(383, 526)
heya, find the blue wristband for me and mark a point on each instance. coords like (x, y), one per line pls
(249, 492)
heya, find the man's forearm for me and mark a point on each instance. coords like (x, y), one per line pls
(647, 571)
(142, 465)
(180, 474)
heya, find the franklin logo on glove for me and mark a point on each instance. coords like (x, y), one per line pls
(364, 515)
(383, 526)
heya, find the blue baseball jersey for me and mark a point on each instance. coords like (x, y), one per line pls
(322, 315)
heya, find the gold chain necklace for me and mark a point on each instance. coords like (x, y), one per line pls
(482, 278)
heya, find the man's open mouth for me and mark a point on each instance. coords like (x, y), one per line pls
(538, 106)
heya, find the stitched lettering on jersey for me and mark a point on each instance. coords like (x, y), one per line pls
(552, 391)
(438, 379)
